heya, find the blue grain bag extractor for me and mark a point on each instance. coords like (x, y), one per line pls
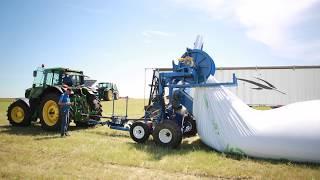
(169, 118)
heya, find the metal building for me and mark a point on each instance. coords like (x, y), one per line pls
(273, 85)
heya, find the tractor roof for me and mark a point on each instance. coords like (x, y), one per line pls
(64, 70)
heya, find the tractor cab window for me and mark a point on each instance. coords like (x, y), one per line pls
(52, 79)
(49, 78)
(38, 77)
(73, 80)
(108, 85)
(102, 85)
(56, 79)
(67, 80)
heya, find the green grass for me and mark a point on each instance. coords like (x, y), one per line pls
(262, 107)
(135, 107)
(102, 153)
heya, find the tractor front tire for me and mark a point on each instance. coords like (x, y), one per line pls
(19, 114)
(108, 95)
(50, 115)
(139, 132)
(167, 134)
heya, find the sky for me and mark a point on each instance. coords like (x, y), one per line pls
(116, 40)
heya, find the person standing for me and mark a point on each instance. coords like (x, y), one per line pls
(65, 104)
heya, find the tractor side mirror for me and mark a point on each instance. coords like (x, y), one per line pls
(34, 73)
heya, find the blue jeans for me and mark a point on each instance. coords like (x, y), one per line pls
(64, 122)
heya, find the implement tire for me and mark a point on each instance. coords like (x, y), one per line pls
(19, 114)
(189, 127)
(139, 132)
(167, 134)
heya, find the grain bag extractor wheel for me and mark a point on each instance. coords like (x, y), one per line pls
(167, 134)
(139, 132)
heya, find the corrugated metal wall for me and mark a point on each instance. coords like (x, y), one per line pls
(299, 83)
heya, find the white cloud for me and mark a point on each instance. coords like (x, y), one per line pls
(266, 21)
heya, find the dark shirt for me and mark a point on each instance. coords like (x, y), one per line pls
(64, 98)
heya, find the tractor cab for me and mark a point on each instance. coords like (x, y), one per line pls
(53, 77)
(108, 91)
(57, 76)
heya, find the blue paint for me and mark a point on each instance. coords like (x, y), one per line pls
(193, 69)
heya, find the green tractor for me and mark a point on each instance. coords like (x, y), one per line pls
(107, 91)
(41, 101)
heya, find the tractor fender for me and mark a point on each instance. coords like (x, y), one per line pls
(52, 89)
(88, 90)
(27, 92)
(94, 91)
(24, 100)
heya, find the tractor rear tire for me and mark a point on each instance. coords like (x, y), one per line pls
(189, 127)
(19, 114)
(95, 105)
(108, 95)
(167, 134)
(50, 115)
(139, 132)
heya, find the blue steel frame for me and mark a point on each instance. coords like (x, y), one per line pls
(170, 80)
(194, 68)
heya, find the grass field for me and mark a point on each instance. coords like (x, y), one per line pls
(102, 153)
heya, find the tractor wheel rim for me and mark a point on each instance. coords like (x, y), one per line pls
(50, 113)
(17, 114)
(138, 132)
(165, 135)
